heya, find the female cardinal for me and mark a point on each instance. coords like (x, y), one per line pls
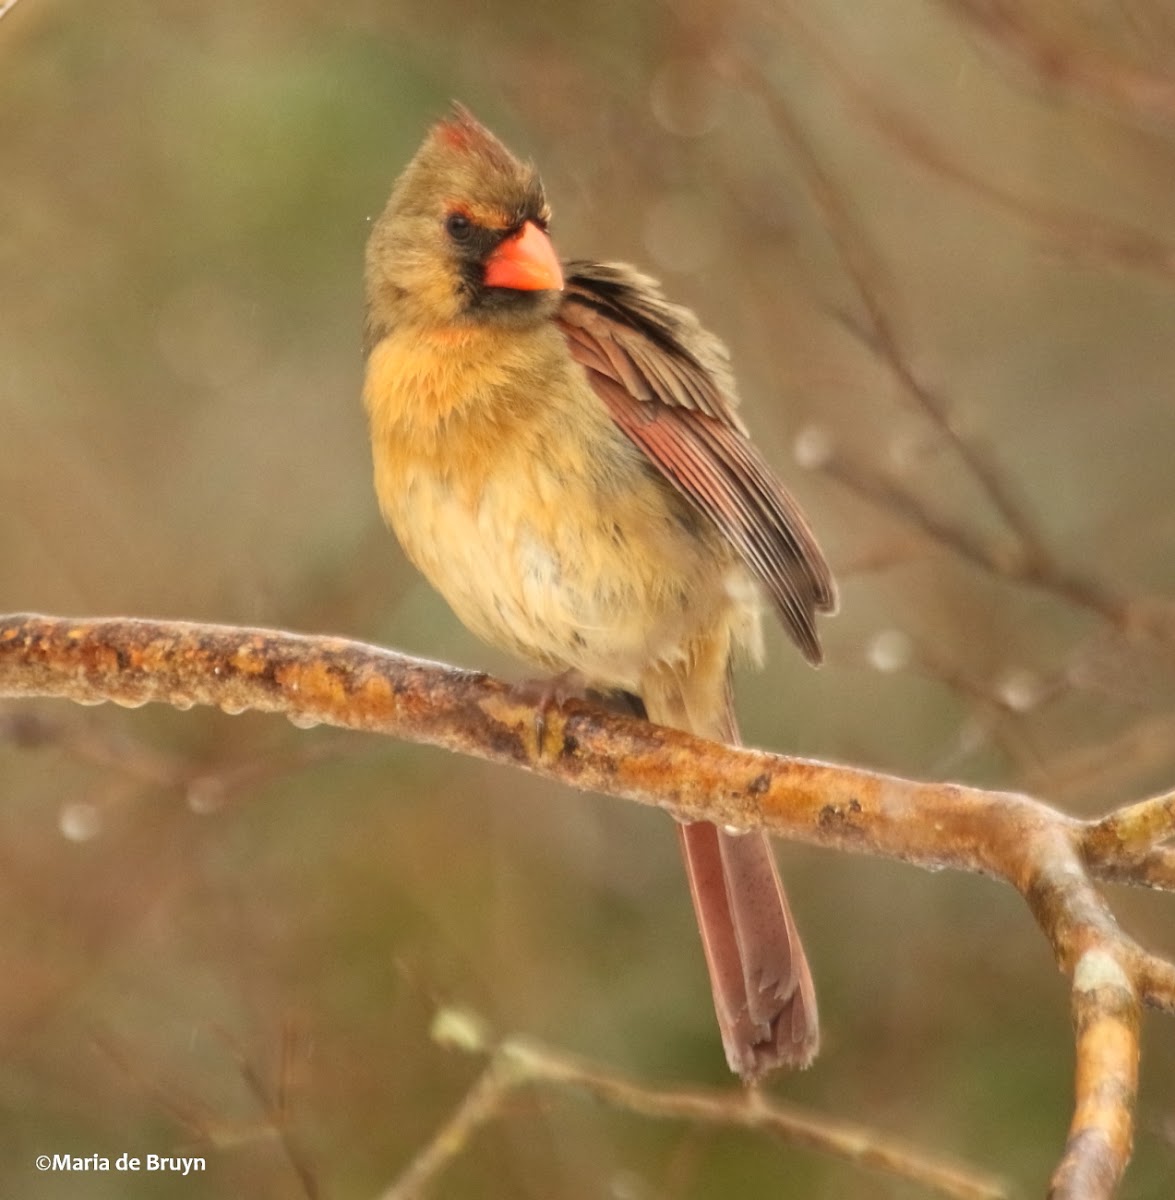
(558, 450)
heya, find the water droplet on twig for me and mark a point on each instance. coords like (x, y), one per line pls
(1020, 690)
(890, 650)
(813, 447)
(80, 821)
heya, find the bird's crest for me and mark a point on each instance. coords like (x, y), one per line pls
(463, 132)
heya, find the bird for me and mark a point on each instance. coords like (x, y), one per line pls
(558, 449)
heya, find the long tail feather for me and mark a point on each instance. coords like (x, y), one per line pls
(763, 992)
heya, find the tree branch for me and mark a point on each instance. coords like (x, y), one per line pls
(1088, 235)
(1050, 858)
(1067, 62)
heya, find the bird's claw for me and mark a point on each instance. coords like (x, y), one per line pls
(546, 694)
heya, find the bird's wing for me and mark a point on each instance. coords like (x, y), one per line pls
(668, 386)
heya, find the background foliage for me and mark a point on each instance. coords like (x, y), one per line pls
(184, 197)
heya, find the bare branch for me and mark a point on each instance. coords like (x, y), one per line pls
(219, 1132)
(1065, 62)
(481, 1104)
(1155, 869)
(1105, 1015)
(1127, 845)
(97, 747)
(274, 1107)
(1086, 234)
(880, 331)
(1136, 829)
(518, 1062)
(1155, 978)
(1027, 560)
(337, 682)
(1017, 562)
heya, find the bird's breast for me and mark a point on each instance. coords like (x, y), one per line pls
(537, 520)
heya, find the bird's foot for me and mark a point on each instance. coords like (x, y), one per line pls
(548, 693)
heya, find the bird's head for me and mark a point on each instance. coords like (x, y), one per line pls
(463, 236)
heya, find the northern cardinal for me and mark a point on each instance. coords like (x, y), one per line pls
(558, 449)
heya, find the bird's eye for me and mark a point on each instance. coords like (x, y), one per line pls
(458, 226)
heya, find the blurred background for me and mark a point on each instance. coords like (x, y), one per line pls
(939, 237)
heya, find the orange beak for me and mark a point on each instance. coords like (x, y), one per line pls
(525, 263)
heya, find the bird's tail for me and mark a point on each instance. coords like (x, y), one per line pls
(763, 992)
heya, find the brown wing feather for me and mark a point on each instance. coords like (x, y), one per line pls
(668, 386)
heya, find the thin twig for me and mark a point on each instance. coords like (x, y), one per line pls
(481, 1104)
(1081, 232)
(1065, 62)
(88, 744)
(184, 1112)
(274, 1109)
(867, 276)
(1030, 560)
(517, 1062)
(204, 788)
(1012, 562)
